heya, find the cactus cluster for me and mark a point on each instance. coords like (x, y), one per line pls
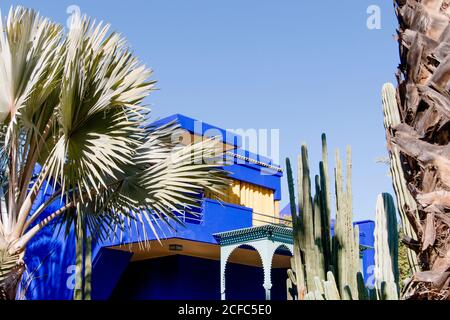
(326, 266)
(328, 289)
(316, 252)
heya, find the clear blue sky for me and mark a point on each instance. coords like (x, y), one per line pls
(304, 67)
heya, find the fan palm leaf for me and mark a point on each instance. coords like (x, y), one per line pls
(73, 120)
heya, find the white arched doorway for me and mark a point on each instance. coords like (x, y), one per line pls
(244, 274)
(281, 262)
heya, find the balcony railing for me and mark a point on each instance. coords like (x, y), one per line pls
(191, 218)
(270, 219)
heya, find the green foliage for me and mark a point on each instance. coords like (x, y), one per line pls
(403, 262)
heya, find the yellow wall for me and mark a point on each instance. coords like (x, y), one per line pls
(260, 199)
(188, 138)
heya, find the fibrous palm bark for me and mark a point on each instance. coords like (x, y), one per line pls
(423, 136)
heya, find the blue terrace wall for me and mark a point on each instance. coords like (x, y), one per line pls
(188, 278)
(51, 255)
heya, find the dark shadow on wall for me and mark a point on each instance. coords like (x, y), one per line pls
(188, 278)
(169, 278)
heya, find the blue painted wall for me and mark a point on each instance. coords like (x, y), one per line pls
(50, 257)
(187, 278)
(108, 267)
(215, 217)
(367, 238)
(50, 261)
(169, 278)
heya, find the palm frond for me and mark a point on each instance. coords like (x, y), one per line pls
(171, 182)
(73, 119)
(29, 59)
(100, 111)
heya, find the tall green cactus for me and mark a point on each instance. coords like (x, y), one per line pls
(386, 249)
(345, 249)
(306, 237)
(325, 267)
(406, 204)
(296, 277)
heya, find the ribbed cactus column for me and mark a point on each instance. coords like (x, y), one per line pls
(297, 276)
(345, 250)
(291, 282)
(312, 261)
(325, 204)
(386, 249)
(308, 261)
(405, 202)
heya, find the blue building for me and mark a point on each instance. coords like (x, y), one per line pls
(236, 248)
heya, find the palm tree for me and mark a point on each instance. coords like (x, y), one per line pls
(72, 119)
(423, 136)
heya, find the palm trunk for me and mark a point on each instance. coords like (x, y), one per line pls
(423, 136)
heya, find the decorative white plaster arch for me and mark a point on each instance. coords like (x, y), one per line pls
(266, 240)
(288, 247)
